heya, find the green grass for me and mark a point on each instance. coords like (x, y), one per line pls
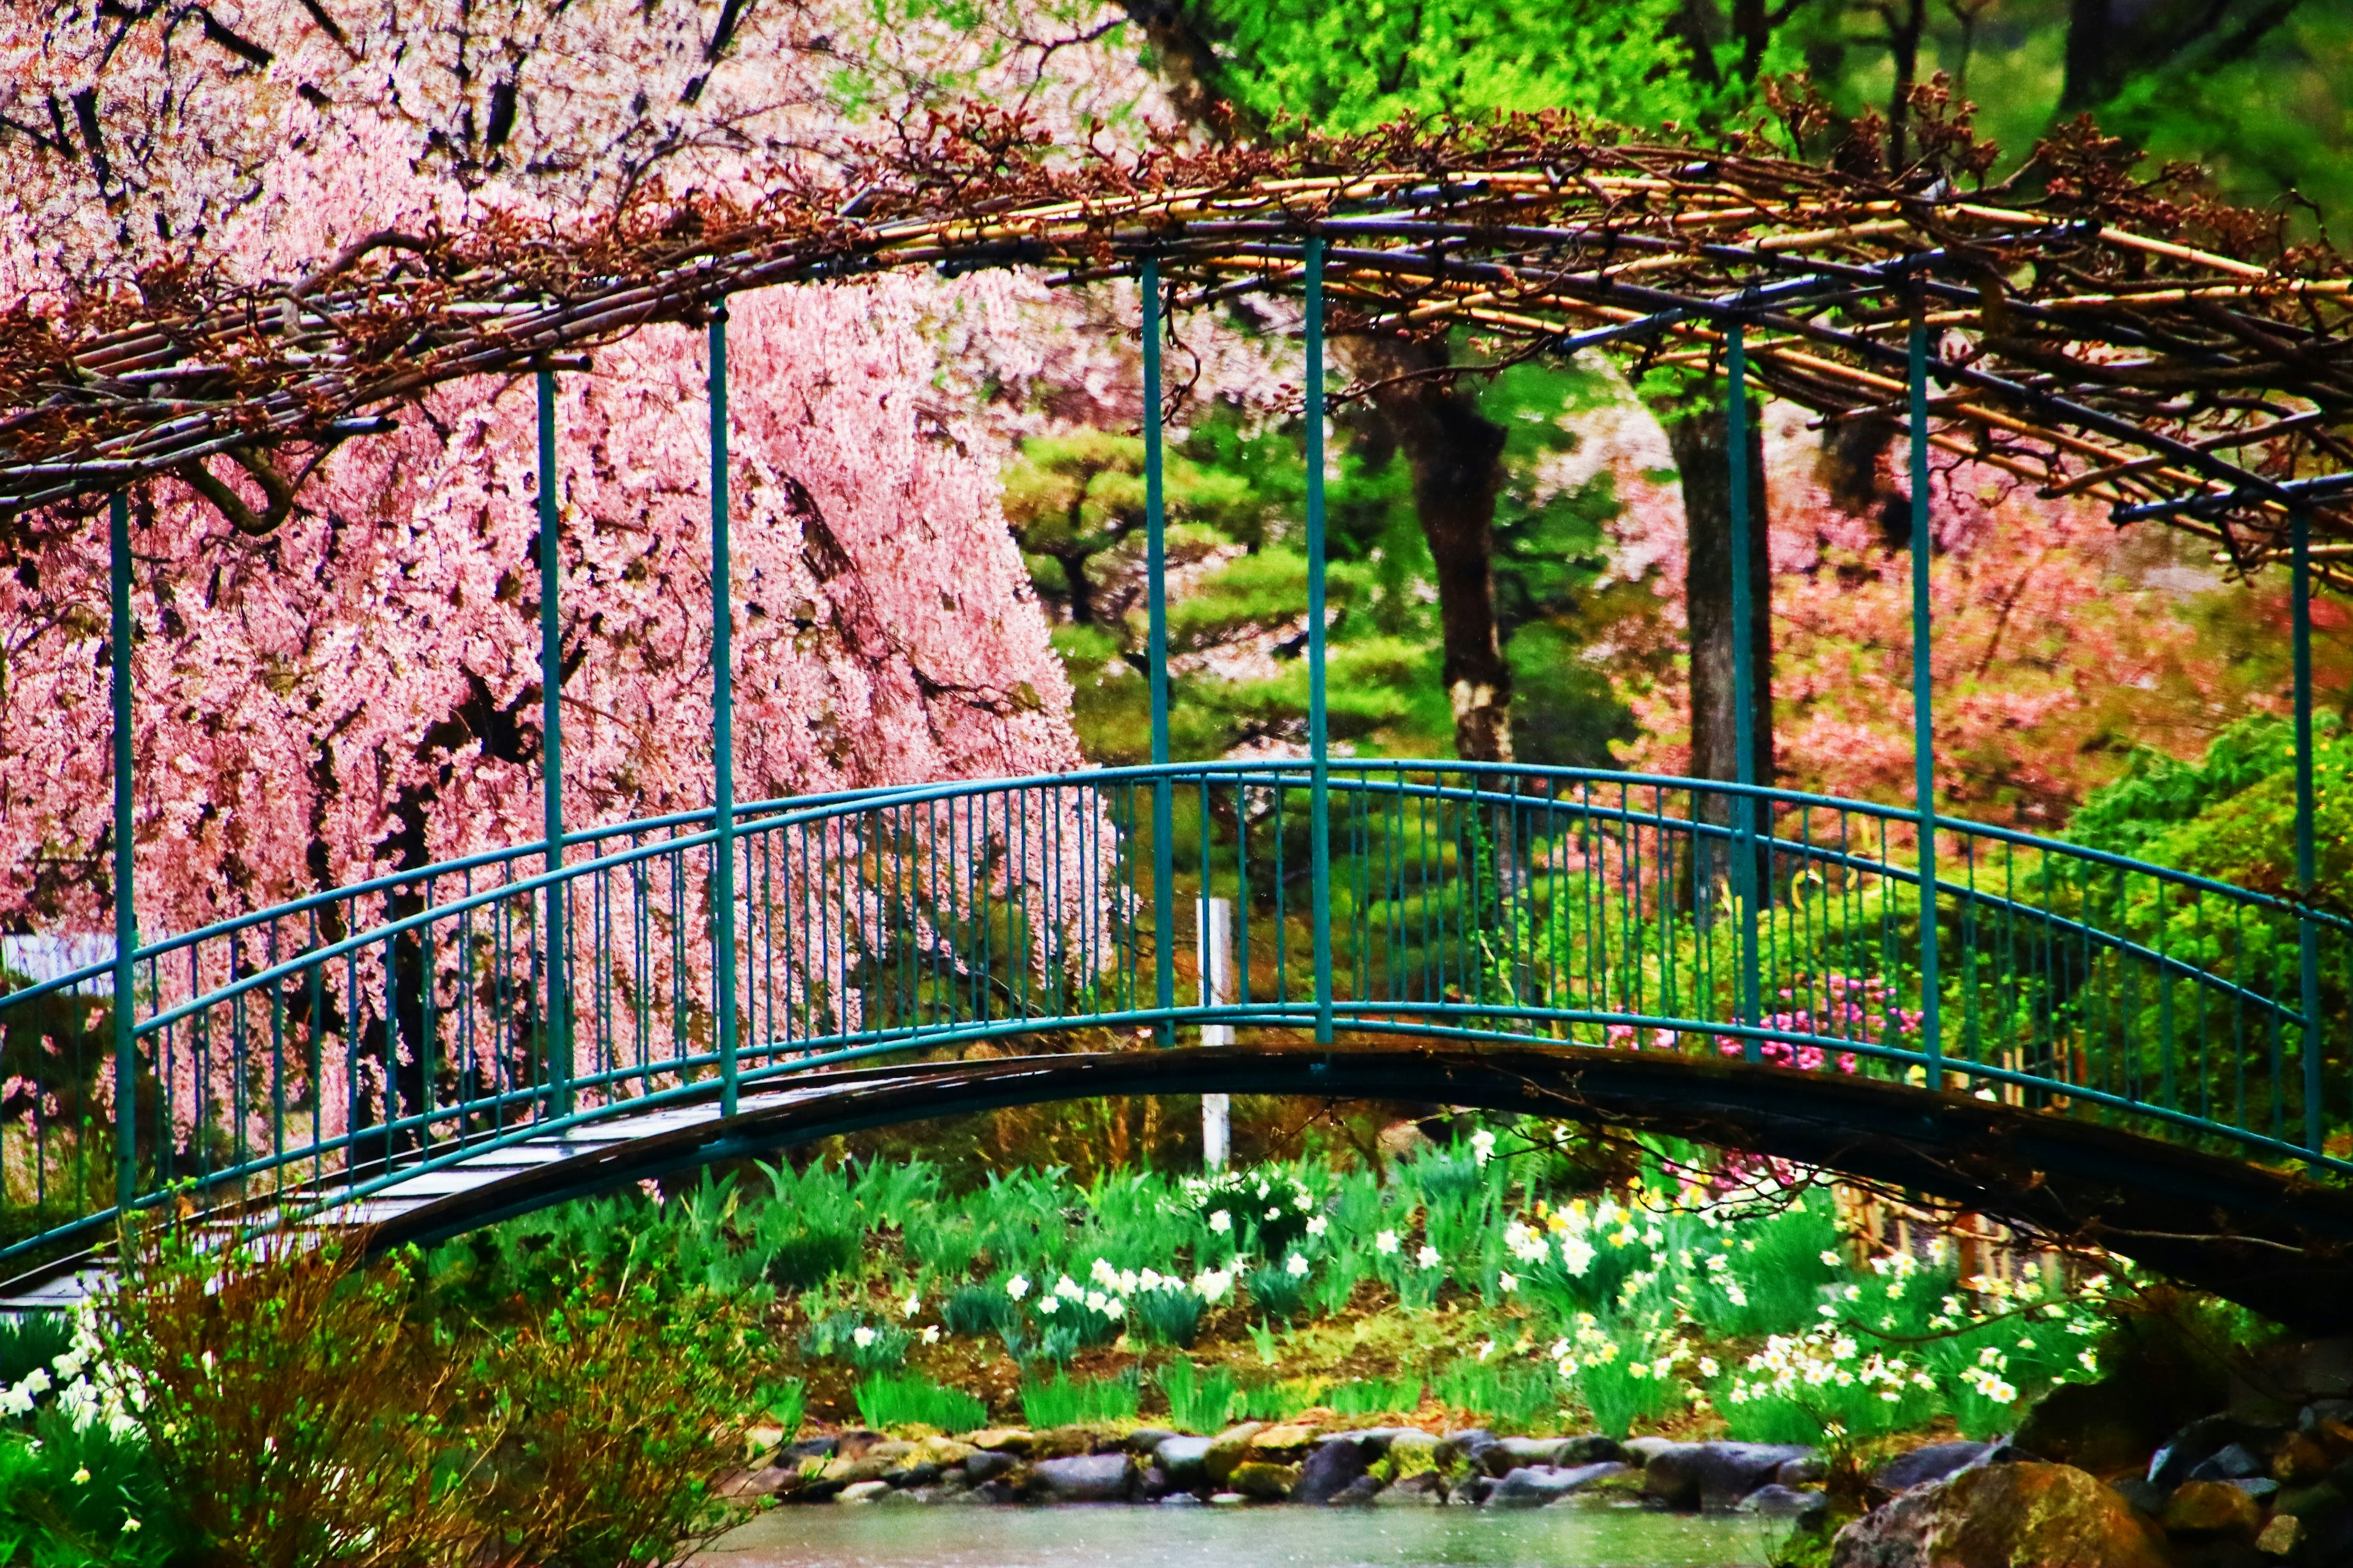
(1373, 1397)
(1197, 1401)
(913, 1400)
(1088, 1402)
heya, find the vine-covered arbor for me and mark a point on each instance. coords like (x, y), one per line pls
(2088, 334)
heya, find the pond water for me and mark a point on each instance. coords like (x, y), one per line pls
(1255, 1538)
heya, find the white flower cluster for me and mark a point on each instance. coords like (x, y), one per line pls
(87, 1387)
(1114, 1288)
(1592, 1347)
(1804, 1367)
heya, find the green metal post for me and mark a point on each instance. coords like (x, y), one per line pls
(126, 910)
(2307, 850)
(1164, 823)
(1744, 681)
(1923, 735)
(722, 731)
(1319, 750)
(558, 1031)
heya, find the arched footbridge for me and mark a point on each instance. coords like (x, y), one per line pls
(2111, 1049)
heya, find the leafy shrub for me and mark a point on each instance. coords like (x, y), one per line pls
(867, 1346)
(31, 1341)
(978, 1309)
(1264, 1211)
(1278, 1292)
(292, 1416)
(1088, 1402)
(82, 1497)
(1170, 1316)
(1198, 1401)
(788, 1406)
(599, 1431)
(913, 1400)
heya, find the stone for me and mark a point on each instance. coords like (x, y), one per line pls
(1376, 1439)
(2192, 1446)
(2301, 1459)
(1799, 1473)
(944, 1452)
(1065, 1443)
(1180, 1500)
(2279, 1535)
(1476, 1489)
(1335, 1465)
(1589, 1449)
(900, 1497)
(2103, 1427)
(996, 1491)
(1423, 1489)
(1082, 1478)
(1143, 1439)
(1362, 1492)
(1411, 1451)
(1714, 1475)
(1638, 1450)
(1510, 1453)
(2262, 1488)
(1152, 1485)
(2207, 1510)
(1010, 1439)
(806, 1448)
(849, 1472)
(1292, 1437)
(1226, 1500)
(2231, 1462)
(766, 1482)
(1467, 1444)
(2146, 1495)
(1930, 1462)
(2312, 1501)
(1227, 1449)
(853, 1442)
(1185, 1459)
(2024, 1515)
(988, 1463)
(862, 1491)
(1264, 1482)
(1534, 1486)
(1775, 1500)
(910, 1475)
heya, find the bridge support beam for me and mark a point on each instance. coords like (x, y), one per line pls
(1924, 712)
(1155, 547)
(554, 1020)
(722, 728)
(2316, 1120)
(126, 908)
(1745, 880)
(1318, 741)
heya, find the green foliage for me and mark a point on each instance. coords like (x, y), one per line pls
(1350, 69)
(885, 1401)
(1277, 1401)
(1087, 1402)
(35, 1340)
(974, 1310)
(865, 1343)
(1373, 1397)
(1198, 1401)
(1279, 1293)
(1511, 1397)
(1166, 1317)
(82, 1497)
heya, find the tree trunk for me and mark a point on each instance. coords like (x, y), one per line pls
(1699, 443)
(1456, 457)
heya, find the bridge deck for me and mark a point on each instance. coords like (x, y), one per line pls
(2272, 1239)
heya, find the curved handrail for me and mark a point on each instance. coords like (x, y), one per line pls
(968, 1001)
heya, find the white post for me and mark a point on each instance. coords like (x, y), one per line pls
(1213, 918)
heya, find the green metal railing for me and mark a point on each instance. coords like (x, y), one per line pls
(334, 1044)
(340, 1042)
